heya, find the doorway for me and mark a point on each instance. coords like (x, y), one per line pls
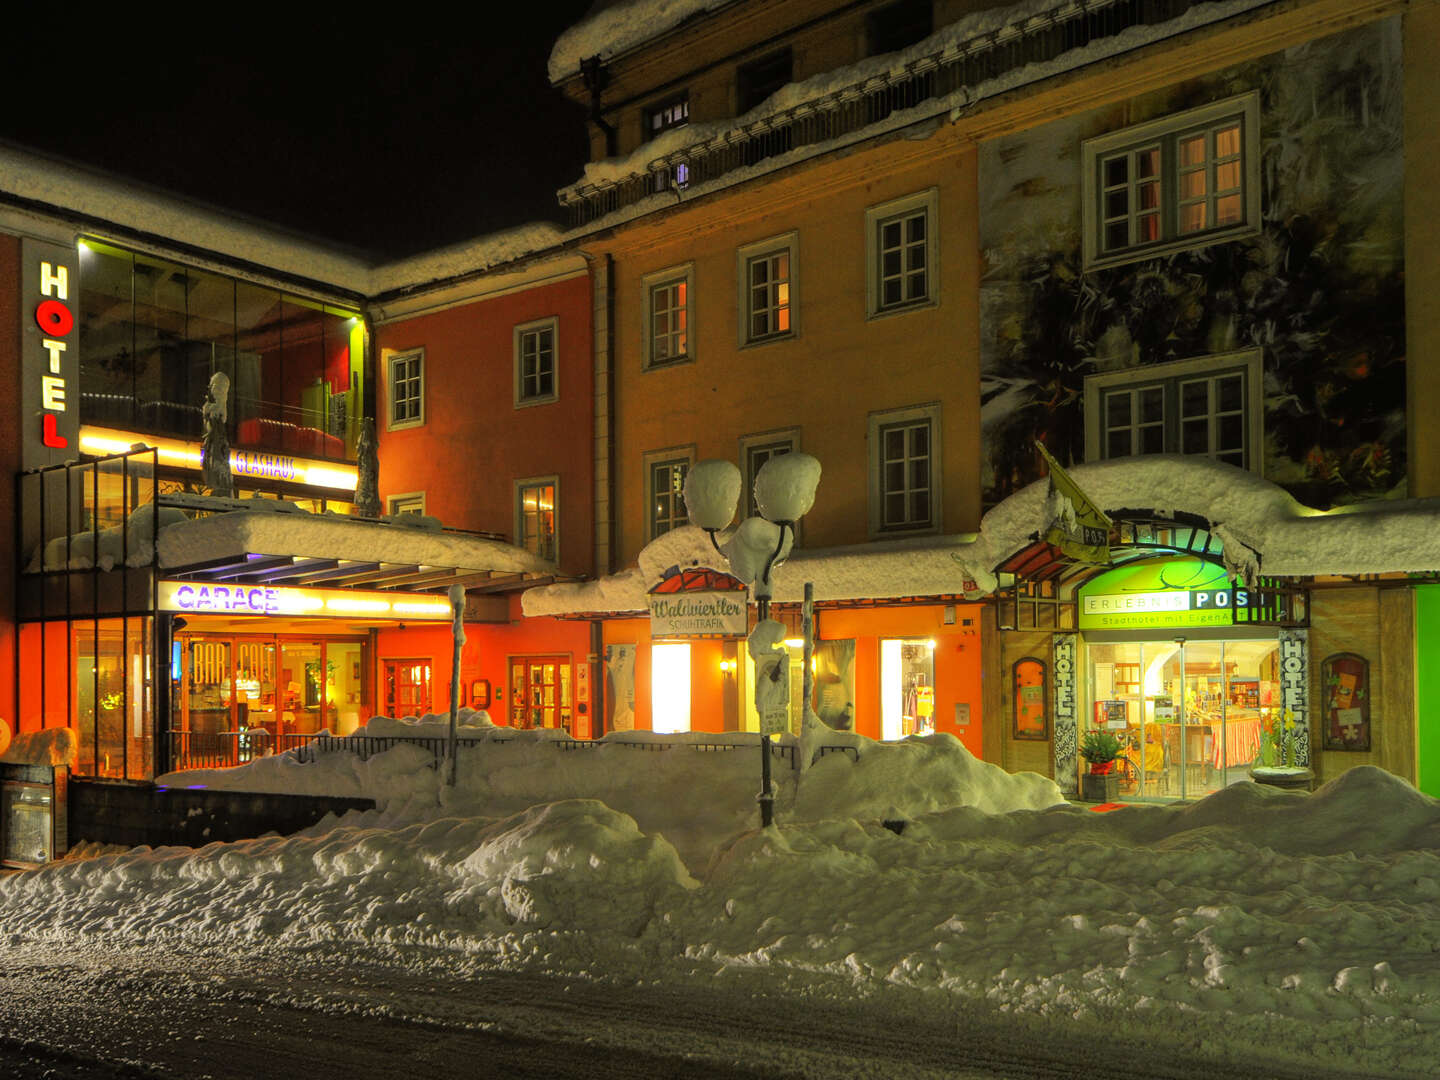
(407, 687)
(1189, 714)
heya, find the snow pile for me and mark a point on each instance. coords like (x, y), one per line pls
(50, 746)
(608, 31)
(134, 545)
(468, 257)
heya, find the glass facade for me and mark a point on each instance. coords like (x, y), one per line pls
(152, 333)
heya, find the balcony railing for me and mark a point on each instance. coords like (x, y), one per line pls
(256, 425)
(851, 109)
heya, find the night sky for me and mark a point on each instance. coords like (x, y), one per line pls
(362, 131)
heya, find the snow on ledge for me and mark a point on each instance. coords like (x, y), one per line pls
(336, 537)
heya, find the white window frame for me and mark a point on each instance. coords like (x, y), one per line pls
(760, 440)
(552, 481)
(674, 275)
(673, 455)
(391, 424)
(1250, 361)
(402, 498)
(552, 323)
(926, 203)
(1165, 134)
(879, 422)
(789, 244)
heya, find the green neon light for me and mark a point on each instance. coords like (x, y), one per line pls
(1158, 594)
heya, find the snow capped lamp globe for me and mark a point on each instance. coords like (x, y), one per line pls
(712, 491)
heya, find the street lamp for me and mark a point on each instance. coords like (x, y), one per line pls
(784, 492)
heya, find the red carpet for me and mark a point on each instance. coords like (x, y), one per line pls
(1105, 807)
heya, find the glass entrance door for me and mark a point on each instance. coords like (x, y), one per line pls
(1188, 713)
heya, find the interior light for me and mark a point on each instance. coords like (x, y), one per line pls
(795, 642)
(930, 644)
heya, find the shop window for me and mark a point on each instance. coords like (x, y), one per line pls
(1345, 678)
(907, 687)
(666, 336)
(1208, 407)
(767, 275)
(535, 516)
(114, 696)
(541, 692)
(1182, 181)
(411, 503)
(665, 473)
(755, 451)
(536, 377)
(670, 686)
(898, 26)
(406, 383)
(757, 80)
(1027, 679)
(900, 253)
(905, 470)
(671, 113)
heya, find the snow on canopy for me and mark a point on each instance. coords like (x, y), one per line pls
(332, 536)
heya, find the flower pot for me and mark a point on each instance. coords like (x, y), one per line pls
(1100, 787)
(1290, 778)
(1101, 768)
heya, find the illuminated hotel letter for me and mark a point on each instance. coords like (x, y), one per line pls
(57, 278)
(52, 393)
(185, 596)
(54, 348)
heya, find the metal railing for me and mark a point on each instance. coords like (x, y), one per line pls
(852, 108)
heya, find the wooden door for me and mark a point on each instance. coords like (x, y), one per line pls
(407, 687)
(540, 692)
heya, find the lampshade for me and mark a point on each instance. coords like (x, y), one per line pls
(785, 486)
(712, 490)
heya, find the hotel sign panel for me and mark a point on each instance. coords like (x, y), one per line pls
(49, 354)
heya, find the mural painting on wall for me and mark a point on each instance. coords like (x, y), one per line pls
(619, 687)
(835, 683)
(1319, 290)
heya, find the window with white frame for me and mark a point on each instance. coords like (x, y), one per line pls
(412, 502)
(536, 506)
(1209, 407)
(900, 253)
(905, 470)
(665, 472)
(536, 378)
(767, 274)
(755, 451)
(1182, 181)
(406, 388)
(672, 113)
(667, 334)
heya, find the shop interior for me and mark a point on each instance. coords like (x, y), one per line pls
(1189, 714)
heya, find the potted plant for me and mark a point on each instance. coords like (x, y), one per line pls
(1100, 749)
(1276, 765)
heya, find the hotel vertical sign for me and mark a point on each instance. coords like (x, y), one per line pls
(1065, 712)
(50, 361)
(1295, 687)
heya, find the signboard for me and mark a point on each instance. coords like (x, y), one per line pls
(1081, 530)
(49, 358)
(699, 603)
(1064, 714)
(1295, 688)
(253, 464)
(1162, 593)
(199, 597)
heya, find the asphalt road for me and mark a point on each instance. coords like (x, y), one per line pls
(99, 1012)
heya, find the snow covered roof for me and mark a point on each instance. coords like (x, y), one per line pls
(1292, 540)
(609, 29)
(234, 536)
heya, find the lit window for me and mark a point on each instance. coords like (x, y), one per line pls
(900, 244)
(1202, 407)
(670, 686)
(907, 687)
(904, 470)
(535, 527)
(535, 373)
(767, 289)
(665, 474)
(1183, 181)
(407, 390)
(670, 114)
(666, 336)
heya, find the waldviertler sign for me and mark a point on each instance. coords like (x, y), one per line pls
(699, 603)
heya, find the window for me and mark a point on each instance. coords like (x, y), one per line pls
(898, 26)
(669, 114)
(410, 503)
(755, 451)
(670, 686)
(407, 390)
(767, 289)
(1208, 407)
(666, 335)
(536, 381)
(665, 472)
(905, 470)
(1183, 181)
(535, 521)
(760, 78)
(900, 253)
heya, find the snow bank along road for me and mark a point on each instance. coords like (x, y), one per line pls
(1251, 930)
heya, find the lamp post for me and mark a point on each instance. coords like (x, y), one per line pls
(784, 492)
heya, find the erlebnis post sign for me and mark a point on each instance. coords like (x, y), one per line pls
(50, 362)
(699, 603)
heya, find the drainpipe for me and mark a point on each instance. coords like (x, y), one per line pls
(596, 78)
